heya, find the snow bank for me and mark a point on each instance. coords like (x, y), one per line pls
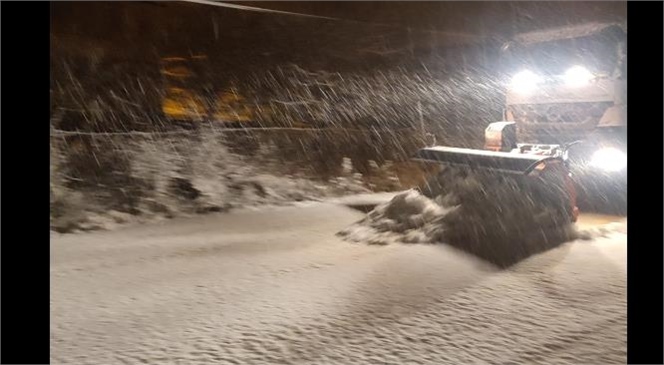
(408, 217)
(173, 177)
(602, 231)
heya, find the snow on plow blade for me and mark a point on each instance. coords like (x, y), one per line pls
(505, 162)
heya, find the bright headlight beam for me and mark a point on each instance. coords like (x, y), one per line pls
(609, 159)
(578, 76)
(525, 82)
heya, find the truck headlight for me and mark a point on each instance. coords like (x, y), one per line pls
(609, 159)
(578, 76)
(525, 82)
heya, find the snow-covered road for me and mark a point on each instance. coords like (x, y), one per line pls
(276, 286)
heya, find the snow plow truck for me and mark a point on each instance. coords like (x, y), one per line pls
(576, 121)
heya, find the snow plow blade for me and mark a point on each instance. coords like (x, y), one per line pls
(507, 206)
(504, 162)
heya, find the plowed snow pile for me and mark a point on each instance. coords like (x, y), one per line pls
(408, 217)
(500, 219)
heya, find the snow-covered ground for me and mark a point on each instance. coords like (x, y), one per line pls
(277, 286)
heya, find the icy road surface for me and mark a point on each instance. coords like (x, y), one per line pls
(275, 286)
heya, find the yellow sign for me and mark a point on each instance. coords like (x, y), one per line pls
(181, 103)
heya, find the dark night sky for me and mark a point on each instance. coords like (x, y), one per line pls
(476, 17)
(107, 45)
(172, 26)
(238, 41)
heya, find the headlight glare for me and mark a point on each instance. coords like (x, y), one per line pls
(525, 82)
(609, 159)
(578, 76)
